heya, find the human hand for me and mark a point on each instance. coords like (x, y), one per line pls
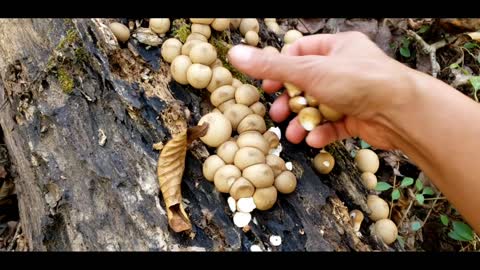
(345, 71)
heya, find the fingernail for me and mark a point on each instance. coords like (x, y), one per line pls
(240, 53)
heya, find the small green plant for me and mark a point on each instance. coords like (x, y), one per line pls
(420, 191)
(475, 82)
(459, 231)
(405, 47)
(364, 144)
(423, 29)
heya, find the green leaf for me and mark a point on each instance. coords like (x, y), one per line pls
(405, 42)
(428, 191)
(382, 186)
(405, 52)
(395, 194)
(475, 81)
(420, 198)
(470, 45)
(463, 230)
(454, 66)
(401, 241)
(455, 236)
(416, 226)
(407, 181)
(364, 144)
(419, 185)
(423, 29)
(444, 219)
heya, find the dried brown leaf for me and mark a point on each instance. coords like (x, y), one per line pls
(171, 165)
(3, 172)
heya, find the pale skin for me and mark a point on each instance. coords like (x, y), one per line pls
(386, 103)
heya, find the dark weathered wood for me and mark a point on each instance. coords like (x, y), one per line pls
(76, 194)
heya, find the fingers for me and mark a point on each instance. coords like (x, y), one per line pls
(295, 132)
(271, 86)
(279, 111)
(321, 44)
(327, 133)
(278, 67)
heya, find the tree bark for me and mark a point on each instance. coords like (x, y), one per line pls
(80, 116)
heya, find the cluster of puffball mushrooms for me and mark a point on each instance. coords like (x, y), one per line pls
(368, 163)
(247, 164)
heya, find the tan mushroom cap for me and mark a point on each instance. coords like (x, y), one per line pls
(179, 68)
(386, 230)
(202, 29)
(248, 156)
(272, 138)
(222, 94)
(220, 77)
(219, 129)
(356, 219)
(253, 139)
(187, 47)
(291, 36)
(378, 207)
(211, 165)
(297, 103)
(249, 24)
(236, 113)
(225, 105)
(324, 162)
(235, 22)
(202, 20)
(203, 53)
(236, 83)
(215, 64)
(286, 182)
(241, 188)
(261, 175)
(252, 38)
(196, 36)
(265, 198)
(247, 94)
(258, 108)
(220, 24)
(367, 161)
(252, 122)
(329, 113)
(369, 180)
(120, 31)
(159, 25)
(276, 163)
(171, 48)
(198, 75)
(227, 151)
(311, 101)
(309, 118)
(225, 177)
(292, 90)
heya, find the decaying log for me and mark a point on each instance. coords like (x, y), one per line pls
(80, 116)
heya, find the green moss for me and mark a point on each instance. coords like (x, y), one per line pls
(222, 51)
(181, 29)
(65, 80)
(81, 55)
(69, 39)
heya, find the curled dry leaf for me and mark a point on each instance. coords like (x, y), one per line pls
(171, 165)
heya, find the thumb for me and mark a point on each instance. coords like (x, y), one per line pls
(262, 64)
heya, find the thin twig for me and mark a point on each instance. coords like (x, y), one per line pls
(406, 213)
(430, 211)
(300, 20)
(391, 197)
(16, 235)
(437, 198)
